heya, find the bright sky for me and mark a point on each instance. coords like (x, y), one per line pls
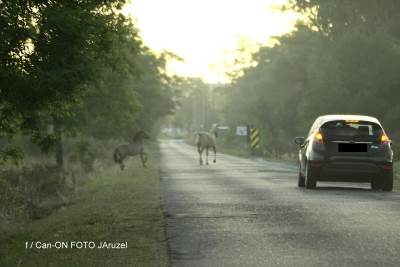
(205, 33)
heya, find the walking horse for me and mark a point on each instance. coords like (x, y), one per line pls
(206, 140)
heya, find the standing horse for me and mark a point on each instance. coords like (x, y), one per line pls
(205, 141)
(135, 147)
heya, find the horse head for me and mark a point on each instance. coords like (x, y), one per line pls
(140, 135)
(214, 129)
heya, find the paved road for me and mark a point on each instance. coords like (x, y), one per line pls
(241, 212)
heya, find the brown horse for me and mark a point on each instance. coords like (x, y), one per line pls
(205, 141)
(135, 147)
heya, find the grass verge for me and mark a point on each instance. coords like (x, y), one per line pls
(114, 206)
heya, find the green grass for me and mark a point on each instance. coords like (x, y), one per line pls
(114, 206)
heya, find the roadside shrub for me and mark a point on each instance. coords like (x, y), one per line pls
(86, 152)
(12, 202)
(86, 155)
(32, 191)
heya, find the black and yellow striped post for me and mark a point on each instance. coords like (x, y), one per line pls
(254, 140)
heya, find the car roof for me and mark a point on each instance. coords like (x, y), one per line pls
(339, 117)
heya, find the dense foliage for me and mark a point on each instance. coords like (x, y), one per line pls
(71, 68)
(343, 59)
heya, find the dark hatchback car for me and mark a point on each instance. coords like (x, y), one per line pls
(347, 148)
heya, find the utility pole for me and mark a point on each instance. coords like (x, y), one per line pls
(204, 107)
(193, 126)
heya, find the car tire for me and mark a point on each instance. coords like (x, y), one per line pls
(301, 182)
(376, 184)
(310, 179)
(387, 181)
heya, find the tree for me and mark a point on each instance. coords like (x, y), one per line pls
(63, 62)
(343, 59)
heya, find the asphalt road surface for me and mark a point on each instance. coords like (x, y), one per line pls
(244, 212)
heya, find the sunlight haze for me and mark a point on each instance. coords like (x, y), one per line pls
(206, 33)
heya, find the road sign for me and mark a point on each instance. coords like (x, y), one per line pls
(223, 128)
(241, 130)
(254, 138)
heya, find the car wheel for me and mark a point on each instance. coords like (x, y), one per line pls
(310, 180)
(375, 184)
(301, 182)
(387, 181)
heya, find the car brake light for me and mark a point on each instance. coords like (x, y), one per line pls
(384, 138)
(387, 166)
(318, 137)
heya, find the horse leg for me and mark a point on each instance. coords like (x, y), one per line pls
(143, 158)
(206, 155)
(200, 154)
(215, 154)
(118, 159)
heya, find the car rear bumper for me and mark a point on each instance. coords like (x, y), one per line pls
(339, 170)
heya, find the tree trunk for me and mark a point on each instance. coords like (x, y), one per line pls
(59, 153)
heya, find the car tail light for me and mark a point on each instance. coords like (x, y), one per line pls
(387, 166)
(315, 164)
(384, 138)
(319, 137)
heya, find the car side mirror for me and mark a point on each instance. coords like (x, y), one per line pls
(299, 140)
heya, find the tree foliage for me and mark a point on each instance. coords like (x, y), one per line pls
(75, 68)
(343, 59)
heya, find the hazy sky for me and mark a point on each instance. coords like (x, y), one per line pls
(205, 33)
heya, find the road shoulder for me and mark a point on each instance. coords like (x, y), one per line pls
(115, 207)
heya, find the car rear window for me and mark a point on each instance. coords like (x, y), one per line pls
(351, 129)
